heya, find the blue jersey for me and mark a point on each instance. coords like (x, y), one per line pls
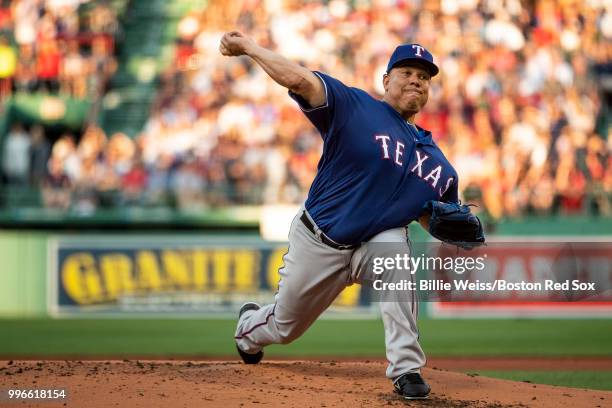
(376, 171)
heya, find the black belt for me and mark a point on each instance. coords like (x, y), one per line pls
(324, 239)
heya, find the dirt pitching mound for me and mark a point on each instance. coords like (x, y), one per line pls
(133, 383)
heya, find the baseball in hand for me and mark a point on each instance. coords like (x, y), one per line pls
(234, 43)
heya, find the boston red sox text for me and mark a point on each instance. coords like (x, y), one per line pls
(477, 285)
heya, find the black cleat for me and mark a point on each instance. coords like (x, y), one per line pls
(411, 386)
(246, 357)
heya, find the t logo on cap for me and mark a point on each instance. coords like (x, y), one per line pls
(416, 53)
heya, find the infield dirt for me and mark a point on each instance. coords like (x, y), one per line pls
(134, 383)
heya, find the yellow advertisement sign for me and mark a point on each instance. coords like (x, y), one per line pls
(178, 277)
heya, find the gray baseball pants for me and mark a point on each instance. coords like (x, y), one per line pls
(312, 276)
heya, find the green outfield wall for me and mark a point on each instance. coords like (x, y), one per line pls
(31, 265)
(23, 273)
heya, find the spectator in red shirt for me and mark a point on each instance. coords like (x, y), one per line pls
(48, 65)
(6, 18)
(133, 184)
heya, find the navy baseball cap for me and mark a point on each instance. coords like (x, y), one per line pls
(413, 52)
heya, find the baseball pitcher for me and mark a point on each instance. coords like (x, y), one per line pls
(376, 174)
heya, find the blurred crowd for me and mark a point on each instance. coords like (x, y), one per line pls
(517, 107)
(48, 46)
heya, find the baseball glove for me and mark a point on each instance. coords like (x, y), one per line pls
(455, 224)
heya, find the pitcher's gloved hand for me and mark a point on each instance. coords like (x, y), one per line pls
(455, 224)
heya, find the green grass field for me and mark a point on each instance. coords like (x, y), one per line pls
(155, 338)
(192, 337)
(599, 380)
